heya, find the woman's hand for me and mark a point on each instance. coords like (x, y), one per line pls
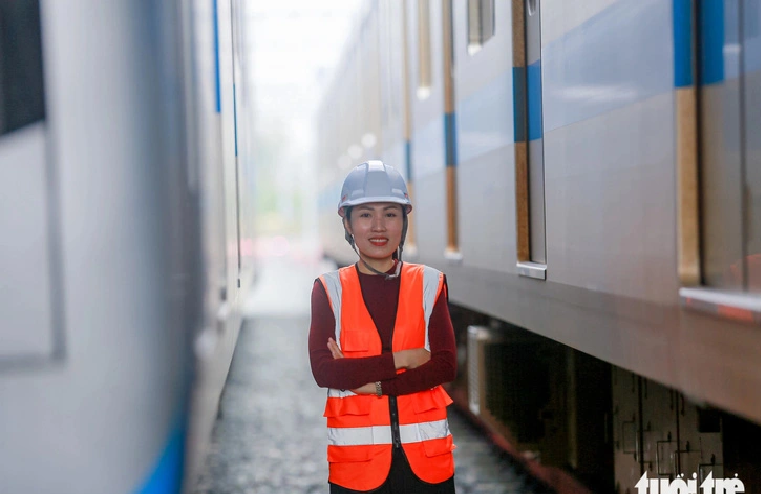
(333, 347)
(367, 389)
(409, 359)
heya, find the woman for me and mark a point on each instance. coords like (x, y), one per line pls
(381, 341)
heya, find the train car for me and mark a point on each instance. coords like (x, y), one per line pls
(126, 246)
(585, 172)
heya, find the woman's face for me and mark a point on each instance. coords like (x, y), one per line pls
(377, 228)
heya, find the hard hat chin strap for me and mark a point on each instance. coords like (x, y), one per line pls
(404, 235)
(386, 275)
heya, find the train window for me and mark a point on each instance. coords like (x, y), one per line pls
(480, 24)
(424, 49)
(535, 135)
(531, 6)
(21, 78)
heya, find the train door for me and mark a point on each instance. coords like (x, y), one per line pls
(450, 154)
(725, 250)
(529, 149)
(750, 38)
(717, 53)
(721, 145)
(729, 78)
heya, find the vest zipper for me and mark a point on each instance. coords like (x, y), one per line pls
(393, 410)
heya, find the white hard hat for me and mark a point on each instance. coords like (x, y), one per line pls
(373, 181)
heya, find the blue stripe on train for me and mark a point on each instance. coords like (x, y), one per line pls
(166, 477)
(683, 61)
(711, 29)
(527, 102)
(534, 87)
(216, 58)
(450, 155)
(519, 104)
(235, 120)
(408, 159)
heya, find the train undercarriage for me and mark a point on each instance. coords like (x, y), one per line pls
(562, 410)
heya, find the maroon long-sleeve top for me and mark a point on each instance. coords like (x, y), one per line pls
(381, 298)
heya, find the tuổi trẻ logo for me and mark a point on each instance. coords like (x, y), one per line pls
(680, 485)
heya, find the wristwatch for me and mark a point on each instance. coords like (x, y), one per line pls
(378, 390)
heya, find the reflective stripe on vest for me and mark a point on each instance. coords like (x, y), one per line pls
(369, 436)
(430, 289)
(340, 393)
(332, 283)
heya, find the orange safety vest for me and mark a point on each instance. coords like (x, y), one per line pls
(359, 426)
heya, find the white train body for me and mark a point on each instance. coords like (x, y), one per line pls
(126, 239)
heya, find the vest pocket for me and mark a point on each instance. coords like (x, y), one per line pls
(431, 399)
(340, 454)
(438, 447)
(355, 341)
(350, 405)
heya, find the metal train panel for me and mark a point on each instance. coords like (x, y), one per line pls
(215, 74)
(559, 17)
(609, 153)
(610, 182)
(430, 224)
(29, 295)
(487, 219)
(227, 122)
(485, 180)
(115, 395)
(228, 272)
(129, 150)
(615, 64)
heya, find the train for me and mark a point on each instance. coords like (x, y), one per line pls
(126, 208)
(586, 173)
